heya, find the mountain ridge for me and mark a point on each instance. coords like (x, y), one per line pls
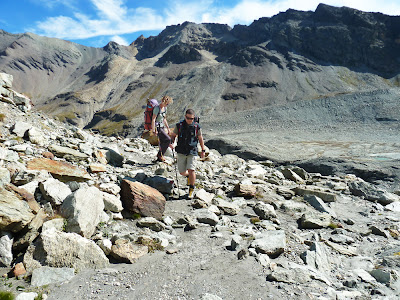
(212, 68)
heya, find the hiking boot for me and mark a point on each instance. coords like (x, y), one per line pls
(191, 193)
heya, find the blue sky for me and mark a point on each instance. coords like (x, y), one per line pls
(96, 22)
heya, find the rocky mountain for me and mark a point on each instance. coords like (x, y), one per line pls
(215, 69)
(85, 216)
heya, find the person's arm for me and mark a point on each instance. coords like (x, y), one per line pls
(153, 122)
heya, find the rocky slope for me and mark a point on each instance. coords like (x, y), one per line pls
(210, 67)
(92, 217)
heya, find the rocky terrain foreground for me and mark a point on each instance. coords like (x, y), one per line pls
(92, 217)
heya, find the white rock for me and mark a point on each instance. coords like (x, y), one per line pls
(54, 190)
(112, 203)
(6, 256)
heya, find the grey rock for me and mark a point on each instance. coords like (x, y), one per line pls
(315, 220)
(293, 275)
(36, 136)
(235, 242)
(317, 257)
(379, 231)
(49, 275)
(271, 242)
(313, 190)
(151, 223)
(204, 196)
(111, 188)
(60, 249)
(319, 205)
(56, 223)
(6, 242)
(227, 207)
(114, 158)
(371, 192)
(265, 211)
(382, 276)
(15, 214)
(83, 209)
(294, 206)
(20, 128)
(341, 239)
(112, 203)
(289, 174)
(162, 184)
(54, 191)
(8, 155)
(6, 80)
(5, 176)
(205, 216)
(67, 153)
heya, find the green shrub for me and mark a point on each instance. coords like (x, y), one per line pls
(6, 295)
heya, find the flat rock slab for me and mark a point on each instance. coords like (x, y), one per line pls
(48, 275)
(62, 170)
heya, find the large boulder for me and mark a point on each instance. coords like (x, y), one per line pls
(15, 214)
(60, 170)
(142, 199)
(371, 192)
(60, 249)
(83, 209)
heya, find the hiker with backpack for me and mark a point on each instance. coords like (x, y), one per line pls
(159, 126)
(189, 134)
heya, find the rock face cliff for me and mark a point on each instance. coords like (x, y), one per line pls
(212, 68)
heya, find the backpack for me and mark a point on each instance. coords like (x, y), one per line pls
(148, 113)
(187, 140)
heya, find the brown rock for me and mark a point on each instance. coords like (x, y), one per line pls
(25, 195)
(143, 199)
(245, 190)
(61, 170)
(96, 168)
(48, 155)
(153, 139)
(101, 156)
(18, 270)
(127, 252)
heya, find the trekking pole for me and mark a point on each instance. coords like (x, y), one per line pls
(176, 170)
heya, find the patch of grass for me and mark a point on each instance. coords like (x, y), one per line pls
(396, 254)
(255, 220)
(2, 117)
(66, 115)
(333, 225)
(6, 295)
(136, 216)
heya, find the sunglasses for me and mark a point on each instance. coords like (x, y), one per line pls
(189, 118)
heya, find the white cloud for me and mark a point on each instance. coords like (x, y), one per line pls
(119, 40)
(114, 18)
